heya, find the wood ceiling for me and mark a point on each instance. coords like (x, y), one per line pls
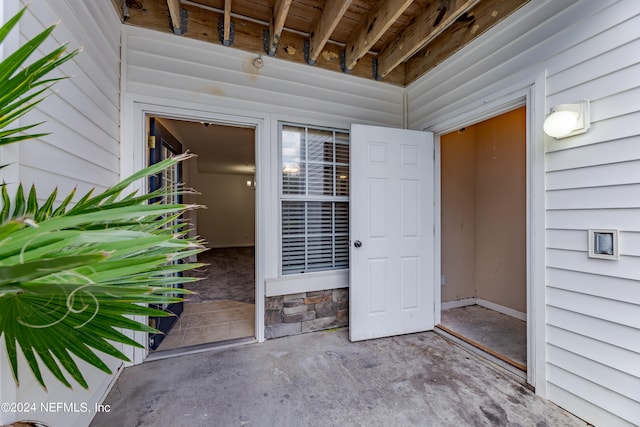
(394, 41)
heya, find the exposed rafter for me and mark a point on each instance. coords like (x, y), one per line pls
(377, 23)
(226, 27)
(174, 13)
(471, 25)
(332, 13)
(395, 41)
(280, 11)
(426, 27)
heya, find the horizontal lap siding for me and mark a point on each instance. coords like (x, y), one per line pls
(165, 66)
(593, 181)
(82, 150)
(82, 114)
(589, 50)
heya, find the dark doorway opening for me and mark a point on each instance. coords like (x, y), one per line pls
(222, 307)
(483, 226)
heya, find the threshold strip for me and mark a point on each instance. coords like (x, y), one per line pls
(200, 348)
(493, 353)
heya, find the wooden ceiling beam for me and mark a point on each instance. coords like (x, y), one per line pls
(174, 13)
(377, 23)
(332, 13)
(249, 37)
(471, 25)
(280, 11)
(426, 27)
(226, 24)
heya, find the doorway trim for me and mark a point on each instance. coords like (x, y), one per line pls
(135, 111)
(530, 93)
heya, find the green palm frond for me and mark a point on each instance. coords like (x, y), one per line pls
(69, 277)
(73, 273)
(23, 85)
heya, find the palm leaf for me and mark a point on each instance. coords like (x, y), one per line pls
(12, 22)
(22, 85)
(70, 280)
(29, 271)
(72, 276)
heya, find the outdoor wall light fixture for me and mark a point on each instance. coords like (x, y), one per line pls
(258, 62)
(568, 120)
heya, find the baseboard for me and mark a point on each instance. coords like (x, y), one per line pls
(458, 303)
(502, 309)
(484, 303)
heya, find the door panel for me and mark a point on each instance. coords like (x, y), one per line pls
(166, 145)
(392, 232)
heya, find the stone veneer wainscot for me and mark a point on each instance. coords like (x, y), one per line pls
(306, 312)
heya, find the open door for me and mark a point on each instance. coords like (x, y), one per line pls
(166, 145)
(392, 223)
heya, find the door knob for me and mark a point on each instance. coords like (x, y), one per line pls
(357, 244)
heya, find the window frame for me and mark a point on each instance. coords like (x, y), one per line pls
(306, 197)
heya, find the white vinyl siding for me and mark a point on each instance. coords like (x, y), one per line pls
(82, 115)
(589, 50)
(181, 69)
(314, 199)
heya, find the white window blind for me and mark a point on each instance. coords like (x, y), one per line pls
(314, 199)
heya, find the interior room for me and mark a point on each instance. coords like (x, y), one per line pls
(483, 264)
(222, 306)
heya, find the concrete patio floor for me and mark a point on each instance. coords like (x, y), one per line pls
(321, 379)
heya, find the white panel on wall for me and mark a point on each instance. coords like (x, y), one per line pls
(595, 328)
(615, 153)
(574, 240)
(83, 112)
(610, 196)
(627, 172)
(588, 50)
(216, 75)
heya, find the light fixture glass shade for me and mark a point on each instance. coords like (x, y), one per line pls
(568, 120)
(560, 123)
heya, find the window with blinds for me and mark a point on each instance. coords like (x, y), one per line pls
(314, 199)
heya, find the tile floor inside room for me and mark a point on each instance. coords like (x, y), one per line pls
(211, 321)
(222, 306)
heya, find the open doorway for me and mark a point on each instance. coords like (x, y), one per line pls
(484, 237)
(222, 308)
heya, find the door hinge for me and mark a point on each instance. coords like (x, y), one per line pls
(151, 141)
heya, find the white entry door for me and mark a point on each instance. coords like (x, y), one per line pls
(391, 232)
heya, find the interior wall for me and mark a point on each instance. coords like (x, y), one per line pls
(483, 212)
(501, 237)
(458, 207)
(229, 219)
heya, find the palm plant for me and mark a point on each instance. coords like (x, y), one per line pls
(73, 272)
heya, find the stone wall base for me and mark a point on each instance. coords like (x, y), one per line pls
(306, 312)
